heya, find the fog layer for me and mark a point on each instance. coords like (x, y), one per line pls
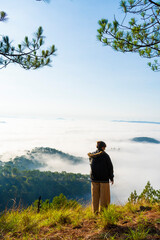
(134, 163)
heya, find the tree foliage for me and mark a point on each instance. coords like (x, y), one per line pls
(20, 181)
(26, 186)
(28, 54)
(138, 32)
(148, 194)
(3, 16)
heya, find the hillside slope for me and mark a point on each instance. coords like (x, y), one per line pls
(22, 182)
(139, 219)
(77, 223)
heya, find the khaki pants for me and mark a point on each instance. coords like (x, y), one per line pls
(100, 195)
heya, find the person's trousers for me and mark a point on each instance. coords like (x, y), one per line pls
(100, 196)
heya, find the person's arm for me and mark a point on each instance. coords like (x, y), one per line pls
(111, 174)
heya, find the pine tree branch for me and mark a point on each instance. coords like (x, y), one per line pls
(157, 4)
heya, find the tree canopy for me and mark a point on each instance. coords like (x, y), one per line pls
(138, 31)
(29, 53)
(26, 186)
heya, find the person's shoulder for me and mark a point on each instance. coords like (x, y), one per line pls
(106, 155)
(95, 154)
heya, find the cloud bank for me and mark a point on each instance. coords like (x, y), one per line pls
(134, 163)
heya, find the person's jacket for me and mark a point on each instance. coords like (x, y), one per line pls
(101, 167)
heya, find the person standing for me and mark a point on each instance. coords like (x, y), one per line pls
(101, 173)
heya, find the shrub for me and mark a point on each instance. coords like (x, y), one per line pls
(148, 194)
(62, 202)
(58, 202)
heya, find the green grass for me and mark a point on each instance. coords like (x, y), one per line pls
(109, 216)
(27, 224)
(138, 234)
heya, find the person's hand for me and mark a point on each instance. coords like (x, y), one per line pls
(112, 182)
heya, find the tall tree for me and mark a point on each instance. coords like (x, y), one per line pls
(139, 30)
(29, 53)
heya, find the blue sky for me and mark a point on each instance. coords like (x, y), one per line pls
(86, 80)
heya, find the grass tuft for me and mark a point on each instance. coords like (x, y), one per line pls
(138, 234)
(109, 216)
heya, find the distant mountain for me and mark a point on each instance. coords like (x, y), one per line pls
(43, 152)
(125, 121)
(145, 140)
(37, 158)
(2, 122)
(21, 163)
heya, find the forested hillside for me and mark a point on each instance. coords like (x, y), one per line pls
(36, 158)
(25, 187)
(22, 183)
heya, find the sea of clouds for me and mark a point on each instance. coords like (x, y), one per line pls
(134, 163)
